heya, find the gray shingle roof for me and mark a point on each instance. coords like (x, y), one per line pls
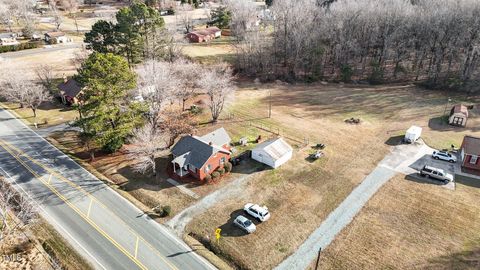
(218, 137)
(71, 88)
(471, 145)
(200, 150)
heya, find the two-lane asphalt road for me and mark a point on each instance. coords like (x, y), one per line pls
(48, 48)
(104, 227)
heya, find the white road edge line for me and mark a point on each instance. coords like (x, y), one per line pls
(168, 233)
(6, 174)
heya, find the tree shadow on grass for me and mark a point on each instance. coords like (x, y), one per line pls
(460, 260)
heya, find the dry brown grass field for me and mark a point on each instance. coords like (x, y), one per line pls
(48, 114)
(301, 194)
(411, 225)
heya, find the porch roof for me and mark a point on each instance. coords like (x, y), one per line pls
(182, 160)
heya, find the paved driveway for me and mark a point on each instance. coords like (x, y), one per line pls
(398, 161)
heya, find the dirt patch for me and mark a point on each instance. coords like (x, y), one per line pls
(411, 225)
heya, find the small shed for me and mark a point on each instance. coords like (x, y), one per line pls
(458, 115)
(273, 152)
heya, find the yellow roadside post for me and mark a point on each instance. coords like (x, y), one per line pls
(217, 234)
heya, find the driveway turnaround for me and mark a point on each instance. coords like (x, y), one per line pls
(101, 225)
(348, 209)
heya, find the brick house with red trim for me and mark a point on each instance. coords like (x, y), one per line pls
(70, 91)
(200, 156)
(204, 35)
(470, 153)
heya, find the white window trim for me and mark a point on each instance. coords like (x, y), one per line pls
(473, 159)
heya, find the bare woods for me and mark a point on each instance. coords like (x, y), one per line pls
(434, 41)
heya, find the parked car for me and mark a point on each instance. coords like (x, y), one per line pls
(254, 210)
(444, 155)
(244, 224)
(437, 174)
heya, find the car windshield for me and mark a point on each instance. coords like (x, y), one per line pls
(247, 223)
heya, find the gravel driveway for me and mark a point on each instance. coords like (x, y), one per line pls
(399, 160)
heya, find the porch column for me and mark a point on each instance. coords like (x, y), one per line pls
(174, 167)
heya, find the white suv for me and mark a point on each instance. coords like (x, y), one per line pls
(443, 155)
(254, 210)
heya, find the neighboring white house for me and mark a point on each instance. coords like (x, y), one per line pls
(273, 152)
(56, 37)
(8, 39)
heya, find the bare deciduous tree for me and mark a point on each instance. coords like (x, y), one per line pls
(217, 82)
(45, 75)
(157, 87)
(187, 75)
(57, 17)
(377, 40)
(34, 97)
(72, 7)
(175, 124)
(185, 17)
(147, 143)
(12, 203)
(244, 15)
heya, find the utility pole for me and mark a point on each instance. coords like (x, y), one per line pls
(318, 258)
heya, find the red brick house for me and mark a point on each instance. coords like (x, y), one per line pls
(200, 156)
(204, 35)
(70, 91)
(470, 153)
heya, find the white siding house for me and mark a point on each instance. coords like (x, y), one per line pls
(273, 152)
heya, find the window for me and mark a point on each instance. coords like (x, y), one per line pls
(208, 168)
(473, 159)
(222, 160)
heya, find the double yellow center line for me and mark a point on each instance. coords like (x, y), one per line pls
(17, 154)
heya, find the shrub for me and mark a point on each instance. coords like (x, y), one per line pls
(221, 171)
(19, 47)
(166, 210)
(228, 167)
(208, 178)
(215, 175)
(346, 73)
(113, 145)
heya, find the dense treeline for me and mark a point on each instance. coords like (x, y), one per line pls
(434, 41)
